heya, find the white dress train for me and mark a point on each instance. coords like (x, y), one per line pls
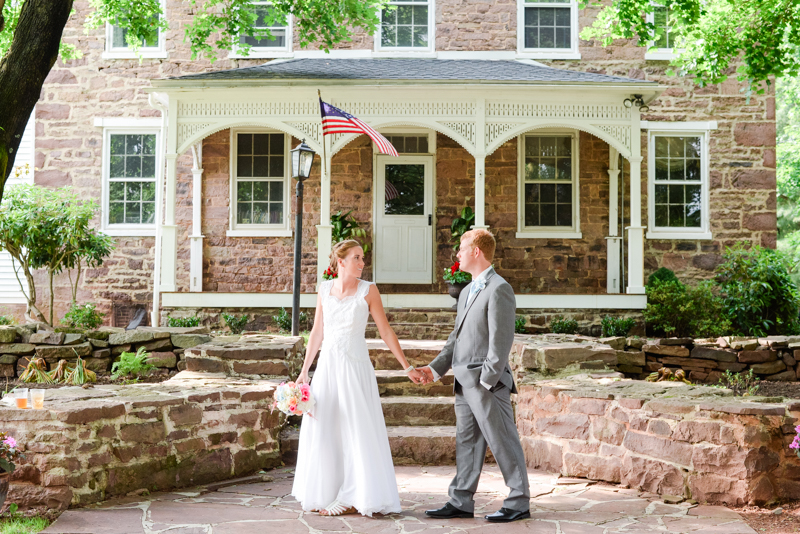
(344, 452)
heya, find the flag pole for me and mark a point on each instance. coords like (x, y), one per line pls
(324, 156)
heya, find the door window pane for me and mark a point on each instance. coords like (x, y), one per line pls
(132, 172)
(405, 189)
(661, 20)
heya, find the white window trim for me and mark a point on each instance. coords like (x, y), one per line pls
(122, 127)
(553, 232)
(676, 129)
(399, 51)
(258, 230)
(660, 54)
(548, 53)
(155, 52)
(268, 52)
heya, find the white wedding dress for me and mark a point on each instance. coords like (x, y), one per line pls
(344, 450)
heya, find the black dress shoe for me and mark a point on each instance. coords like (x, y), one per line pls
(448, 511)
(505, 515)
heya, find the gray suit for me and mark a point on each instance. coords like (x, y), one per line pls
(477, 350)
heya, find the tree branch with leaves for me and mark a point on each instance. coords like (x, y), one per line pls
(755, 40)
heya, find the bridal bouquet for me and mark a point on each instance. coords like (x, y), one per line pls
(293, 399)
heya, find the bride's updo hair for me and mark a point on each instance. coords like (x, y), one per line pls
(340, 251)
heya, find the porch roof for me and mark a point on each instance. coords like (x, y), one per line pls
(415, 70)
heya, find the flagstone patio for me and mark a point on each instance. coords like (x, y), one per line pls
(558, 506)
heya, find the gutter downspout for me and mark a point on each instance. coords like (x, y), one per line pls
(155, 312)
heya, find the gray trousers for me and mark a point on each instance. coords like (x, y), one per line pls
(484, 418)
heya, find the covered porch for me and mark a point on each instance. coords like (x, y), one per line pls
(485, 134)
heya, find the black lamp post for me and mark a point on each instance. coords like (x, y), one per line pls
(302, 159)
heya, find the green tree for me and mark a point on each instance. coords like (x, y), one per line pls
(30, 40)
(788, 162)
(756, 39)
(49, 229)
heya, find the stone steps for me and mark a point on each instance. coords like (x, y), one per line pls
(396, 383)
(417, 352)
(418, 411)
(411, 445)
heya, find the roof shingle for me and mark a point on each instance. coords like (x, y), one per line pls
(411, 69)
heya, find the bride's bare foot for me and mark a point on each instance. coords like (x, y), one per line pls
(336, 508)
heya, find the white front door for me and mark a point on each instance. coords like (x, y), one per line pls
(403, 220)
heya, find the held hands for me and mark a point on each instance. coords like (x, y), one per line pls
(416, 376)
(427, 374)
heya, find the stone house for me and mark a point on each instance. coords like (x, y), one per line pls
(591, 165)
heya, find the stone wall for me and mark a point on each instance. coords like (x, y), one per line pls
(98, 349)
(88, 445)
(669, 439)
(68, 152)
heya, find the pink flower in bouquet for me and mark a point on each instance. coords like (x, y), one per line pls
(305, 392)
(292, 385)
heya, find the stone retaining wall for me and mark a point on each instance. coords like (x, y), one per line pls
(667, 438)
(414, 323)
(99, 349)
(91, 444)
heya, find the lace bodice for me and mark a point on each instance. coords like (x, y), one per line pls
(345, 321)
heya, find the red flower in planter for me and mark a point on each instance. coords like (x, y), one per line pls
(329, 274)
(454, 268)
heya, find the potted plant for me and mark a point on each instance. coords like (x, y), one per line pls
(456, 280)
(461, 225)
(9, 453)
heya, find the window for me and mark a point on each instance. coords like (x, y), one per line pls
(548, 186)
(117, 46)
(407, 25)
(260, 205)
(409, 144)
(664, 44)
(280, 41)
(129, 193)
(548, 29)
(678, 185)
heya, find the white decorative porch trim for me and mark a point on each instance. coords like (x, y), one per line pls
(401, 300)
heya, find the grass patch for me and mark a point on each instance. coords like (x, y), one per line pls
(23, 525)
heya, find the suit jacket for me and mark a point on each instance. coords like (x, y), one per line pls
(481, 341)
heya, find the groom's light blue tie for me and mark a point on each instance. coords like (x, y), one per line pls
(473, 290)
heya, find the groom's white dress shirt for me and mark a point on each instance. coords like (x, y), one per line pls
(477, 284)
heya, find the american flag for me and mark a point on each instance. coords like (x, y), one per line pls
(391, 191)
(334, 120)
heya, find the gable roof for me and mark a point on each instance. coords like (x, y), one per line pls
(408, 70)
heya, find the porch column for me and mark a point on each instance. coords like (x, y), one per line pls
(169, 235)
(480, 164)
(324, 228)
(636, 230)
(196, 239)
(613, 238)
(480, 192)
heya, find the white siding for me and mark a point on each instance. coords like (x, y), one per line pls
(10, 292)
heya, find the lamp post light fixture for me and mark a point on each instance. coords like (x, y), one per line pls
(302, 160)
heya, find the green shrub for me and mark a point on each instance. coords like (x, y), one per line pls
(236, 324)
(284, 320)
(183, 322)
(519, 325)
(559, 325)
(6, 320)
(758, 294)
(83, 316)
(742, 384)
(616, 326)
(131, 364)
(674, 309)
(662, 274)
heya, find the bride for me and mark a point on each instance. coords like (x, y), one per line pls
(344, 464)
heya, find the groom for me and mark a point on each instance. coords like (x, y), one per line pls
(478, 350)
